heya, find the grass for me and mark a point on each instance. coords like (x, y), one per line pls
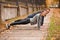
(54, 30)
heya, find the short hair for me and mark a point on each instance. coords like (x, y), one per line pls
(47, 9)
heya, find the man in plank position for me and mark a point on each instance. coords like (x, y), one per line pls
(35, 19)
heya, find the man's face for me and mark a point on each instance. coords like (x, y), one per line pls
(44, 13)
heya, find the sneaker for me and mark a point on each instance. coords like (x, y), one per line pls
(7, 26)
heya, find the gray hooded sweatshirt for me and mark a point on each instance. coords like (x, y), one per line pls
(36, 20)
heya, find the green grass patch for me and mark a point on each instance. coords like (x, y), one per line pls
(54, 28)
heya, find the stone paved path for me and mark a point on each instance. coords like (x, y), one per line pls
(27, 32)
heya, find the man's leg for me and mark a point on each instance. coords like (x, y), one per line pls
(24, 21)
(18, 20)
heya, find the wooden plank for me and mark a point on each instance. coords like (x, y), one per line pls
(24, 7)
(23, 11)
(9, 7)
(8, 13)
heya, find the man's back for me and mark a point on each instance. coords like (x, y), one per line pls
(32, 15)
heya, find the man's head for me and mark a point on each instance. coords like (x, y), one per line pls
(45, 12)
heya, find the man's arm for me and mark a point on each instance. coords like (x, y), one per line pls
(33, 20)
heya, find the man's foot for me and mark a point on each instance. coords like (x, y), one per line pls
(7, 26)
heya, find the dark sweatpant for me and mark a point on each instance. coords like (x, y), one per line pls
(23, 21)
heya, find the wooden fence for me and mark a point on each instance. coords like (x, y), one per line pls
(9, 11)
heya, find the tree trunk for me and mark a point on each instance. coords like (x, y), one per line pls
(59, 3)
(0, 13)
